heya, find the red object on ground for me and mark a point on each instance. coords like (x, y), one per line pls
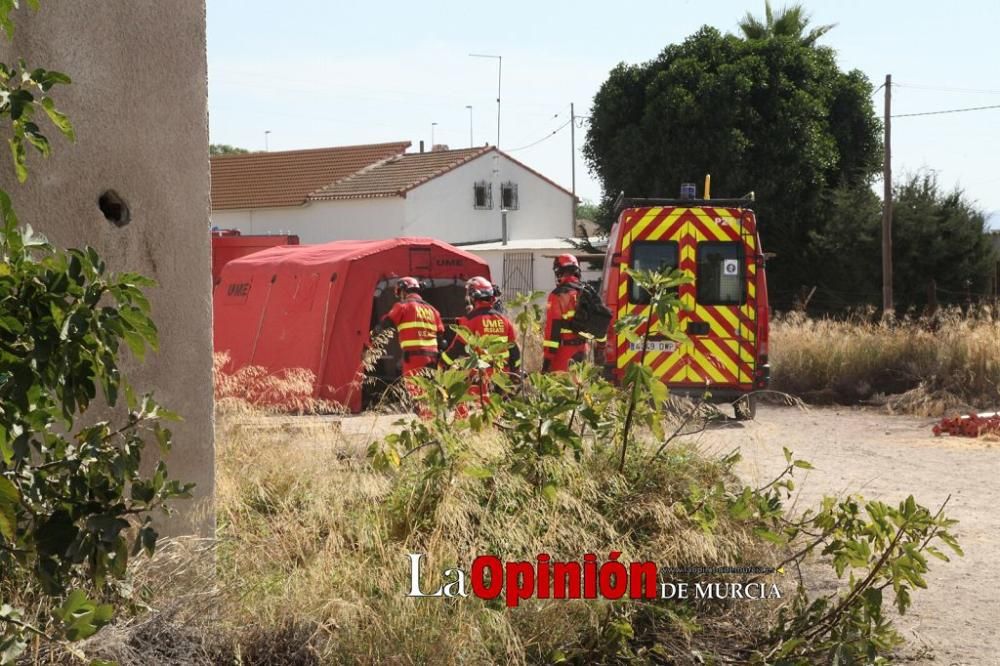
(973, 425)
(313, 306)
(229, 244)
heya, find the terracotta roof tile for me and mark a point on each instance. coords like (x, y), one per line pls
(398, 175)
(286, 178)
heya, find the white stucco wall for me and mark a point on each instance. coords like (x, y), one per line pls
(321, 221)
(443, 207)
(543, 278)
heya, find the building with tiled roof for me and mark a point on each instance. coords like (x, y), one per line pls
(380, 191)
(287, 178)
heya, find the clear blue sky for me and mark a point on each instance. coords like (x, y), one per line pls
(318, 73)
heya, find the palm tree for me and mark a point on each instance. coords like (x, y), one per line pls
(788, 22)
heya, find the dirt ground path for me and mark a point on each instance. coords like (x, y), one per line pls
(956, 621)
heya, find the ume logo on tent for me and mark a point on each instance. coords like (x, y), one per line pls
(449, 262)
(238, 289)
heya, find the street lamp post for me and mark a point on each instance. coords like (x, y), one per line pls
(433, 125)
(469, 107)
(496, 153)
(266, 135)
(499, 75)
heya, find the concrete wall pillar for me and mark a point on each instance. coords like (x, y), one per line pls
(138, 104)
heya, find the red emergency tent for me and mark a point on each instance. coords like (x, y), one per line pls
(312, 306)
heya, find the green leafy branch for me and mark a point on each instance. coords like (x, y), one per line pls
(659, 317)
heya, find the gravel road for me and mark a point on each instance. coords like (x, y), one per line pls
(955, 621)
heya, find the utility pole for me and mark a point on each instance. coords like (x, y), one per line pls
(887, 203)
(572, 160)
(499, 73)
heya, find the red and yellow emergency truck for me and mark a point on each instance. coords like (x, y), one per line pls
(725, 315)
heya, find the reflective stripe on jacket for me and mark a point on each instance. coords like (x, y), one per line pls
(418, 324)
(559, 312)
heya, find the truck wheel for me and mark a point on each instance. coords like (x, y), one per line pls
(746, 408)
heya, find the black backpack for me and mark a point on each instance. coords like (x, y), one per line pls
(592, 316)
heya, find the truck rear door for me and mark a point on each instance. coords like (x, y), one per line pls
(650, 241)
(721, 319)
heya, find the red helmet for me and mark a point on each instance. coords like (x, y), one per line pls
(564, 264)
(480, 289)
(406, 285)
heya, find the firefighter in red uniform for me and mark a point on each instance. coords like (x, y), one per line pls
(484, 320)
(562, 344)
(419, 329)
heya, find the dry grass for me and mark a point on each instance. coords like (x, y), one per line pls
(927, 365)
(253, 389)
(310, 565)
(336, 560)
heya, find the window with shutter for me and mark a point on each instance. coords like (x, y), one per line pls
(482, 195)
(509, 195)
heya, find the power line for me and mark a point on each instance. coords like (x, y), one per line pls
(919, 86)
(544, 138)
(936, 113)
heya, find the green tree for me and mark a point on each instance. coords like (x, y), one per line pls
(588, 210)
(772, 115)
(937, 236)
(225, 149)
(848, 251)
(789, 22)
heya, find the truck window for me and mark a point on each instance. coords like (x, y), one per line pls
(721, 274)
(650, 256)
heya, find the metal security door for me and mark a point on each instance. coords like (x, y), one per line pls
(518, 273)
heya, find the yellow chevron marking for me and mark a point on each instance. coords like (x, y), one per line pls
(630, 357)
(702, 364)
(746, 332)
(653, 357)
(622, 289)
(674, 367)
(733, 320)
(748, 362)
(721, 356)
(639, 227)
(664, 226)
(710, 225)
(678, 374)
(739, 369)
